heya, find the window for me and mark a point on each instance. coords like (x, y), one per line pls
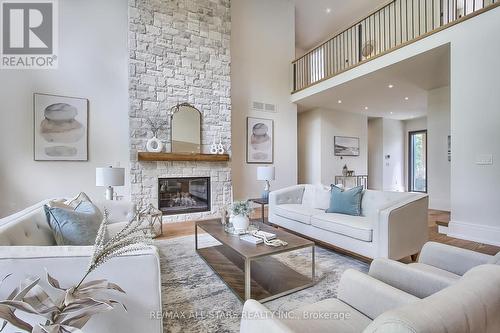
(417, 165)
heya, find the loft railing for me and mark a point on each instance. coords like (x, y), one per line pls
(394, 25)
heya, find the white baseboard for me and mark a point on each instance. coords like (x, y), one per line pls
(474, 232)
(442, 230)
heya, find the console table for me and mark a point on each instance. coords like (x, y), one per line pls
(352, 181)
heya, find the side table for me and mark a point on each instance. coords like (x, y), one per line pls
(262, 202)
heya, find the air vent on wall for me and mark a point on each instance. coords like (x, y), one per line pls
(264, 107)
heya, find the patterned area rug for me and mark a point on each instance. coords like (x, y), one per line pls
(196, 300)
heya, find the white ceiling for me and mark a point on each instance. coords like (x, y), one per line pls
(411, 78)
(314, 25)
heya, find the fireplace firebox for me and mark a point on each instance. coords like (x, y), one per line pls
(183, 195)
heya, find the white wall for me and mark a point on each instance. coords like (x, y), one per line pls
(336, 123)
(393, 146)
(437, 123)
(386, 138)
(475, 120)
(438, 166)
(92, 64)
(299, 52)
(262, 47)
(320, 157)
(376, 153)
(309, 142)
(415, 124)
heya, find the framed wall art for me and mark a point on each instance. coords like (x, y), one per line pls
(346, 146)
(60, 128)
(260, 141)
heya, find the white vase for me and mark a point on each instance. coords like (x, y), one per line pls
(239, 222)
(154, 145)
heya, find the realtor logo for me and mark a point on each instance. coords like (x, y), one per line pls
(29, 34)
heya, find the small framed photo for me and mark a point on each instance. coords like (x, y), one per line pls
(260, 141)
(346, 146)
(60, 128)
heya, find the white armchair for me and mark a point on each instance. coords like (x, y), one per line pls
(367, 305)
(439, 266)
(361, 299)
(452, 259)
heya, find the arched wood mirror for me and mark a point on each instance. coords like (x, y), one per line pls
(186, 129)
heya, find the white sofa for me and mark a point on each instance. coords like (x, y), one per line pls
(364, 304)
(27, 248)
(393, 224)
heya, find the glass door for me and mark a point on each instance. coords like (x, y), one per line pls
(417, 164)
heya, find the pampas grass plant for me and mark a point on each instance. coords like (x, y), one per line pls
(133, 237)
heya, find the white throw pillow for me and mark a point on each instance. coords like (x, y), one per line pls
(70, 203)
(322, 196)
(308, 196)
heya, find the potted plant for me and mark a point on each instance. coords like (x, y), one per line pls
(240, 210)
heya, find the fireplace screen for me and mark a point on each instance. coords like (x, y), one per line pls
(183, 195)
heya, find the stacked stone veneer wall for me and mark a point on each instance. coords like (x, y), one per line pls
(179, 51)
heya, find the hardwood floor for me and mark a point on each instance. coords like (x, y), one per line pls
(173, 230)
(443, 218)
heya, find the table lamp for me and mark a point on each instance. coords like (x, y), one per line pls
(265, 173)
(109, 177)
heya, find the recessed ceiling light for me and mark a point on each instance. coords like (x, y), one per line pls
(407, 98)
(366, 108)
(392, 112)
(339, 101)
(328, 10)
(390, 86)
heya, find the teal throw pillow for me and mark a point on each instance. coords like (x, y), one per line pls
(74, 224)
(346, 202)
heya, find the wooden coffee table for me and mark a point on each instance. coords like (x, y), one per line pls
(249, 270)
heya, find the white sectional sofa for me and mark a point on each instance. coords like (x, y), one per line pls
(28, 248)
(393, 224)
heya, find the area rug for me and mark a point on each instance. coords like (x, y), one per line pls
(196, 300)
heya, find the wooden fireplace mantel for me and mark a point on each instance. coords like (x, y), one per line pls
(152, 157)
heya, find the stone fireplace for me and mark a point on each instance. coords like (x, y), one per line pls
(184, 195)
(179, 52)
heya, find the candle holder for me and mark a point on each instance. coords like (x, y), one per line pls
(153, 218)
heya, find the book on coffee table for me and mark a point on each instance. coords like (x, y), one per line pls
(251, 239)
(266, 234)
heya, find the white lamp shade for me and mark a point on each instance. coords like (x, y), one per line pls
(265, 173)
(109, 176)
